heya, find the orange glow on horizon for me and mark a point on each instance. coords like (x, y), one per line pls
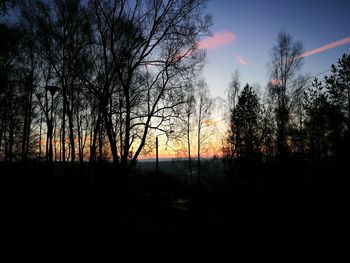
(163, 154)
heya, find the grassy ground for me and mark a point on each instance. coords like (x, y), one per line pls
(55, 214)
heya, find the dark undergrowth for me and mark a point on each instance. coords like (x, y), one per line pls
(94, 213)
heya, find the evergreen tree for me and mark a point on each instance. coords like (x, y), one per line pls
(245, 127)
(317, 109)
(324, 123)
(338, 86)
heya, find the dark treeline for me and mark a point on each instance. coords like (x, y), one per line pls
(92, 80)
(299, 118)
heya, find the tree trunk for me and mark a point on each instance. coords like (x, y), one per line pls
(189, 150)
(71, 137)
(10, 145)
(49, 139)
(199, 152)
(282, 119)
(93, 147)
(2, 128)
(80, 150)
(40, 135)
(111, 137)
(27, 118)
(63, 125)
(54, 135)
(124, 157)
(100, 144)
(24, 155)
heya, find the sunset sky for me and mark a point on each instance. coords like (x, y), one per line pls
(244, 32)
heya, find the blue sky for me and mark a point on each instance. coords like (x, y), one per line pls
(256, 25)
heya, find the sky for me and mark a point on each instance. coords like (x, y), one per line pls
(244, 32)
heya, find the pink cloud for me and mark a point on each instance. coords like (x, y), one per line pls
(341, 42)
(241, 60)
(217, 40)
(335, 44)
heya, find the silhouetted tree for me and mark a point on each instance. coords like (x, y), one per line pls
(150, 51)
(10, 88)
(232, 97)
(106, 71)
(233, 90)
(317, 109)
(297, 132)
(286, 61)
(204, 107)
(189, 112)
(325, 123)
(268, 128)
(245, 118)
(338, 86)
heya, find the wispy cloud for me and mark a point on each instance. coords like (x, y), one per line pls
(241, 60)
(335, 44)
(218, 39)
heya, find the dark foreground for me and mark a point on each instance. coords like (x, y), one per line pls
(55, 214)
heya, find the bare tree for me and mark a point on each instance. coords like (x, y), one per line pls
(188, 122)
(232, 99)
(7, 57)
(286, 61)
(152, 53)
(298, 115)
(233, 90)
(268, 127)
(59, 35)
(12, 92)
(127, 64)
(204, 105)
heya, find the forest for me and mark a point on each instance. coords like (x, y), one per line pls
(86, 88)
